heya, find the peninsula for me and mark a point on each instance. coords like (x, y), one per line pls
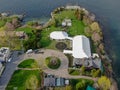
(65, 53)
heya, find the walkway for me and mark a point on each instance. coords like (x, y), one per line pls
(62, 71)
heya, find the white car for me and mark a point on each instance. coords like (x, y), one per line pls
(9, 59)
(29, 51)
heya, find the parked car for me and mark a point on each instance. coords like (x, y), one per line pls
(29, 51)
(9, 60)
(37, 51)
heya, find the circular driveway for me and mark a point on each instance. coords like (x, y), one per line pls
(62, 71)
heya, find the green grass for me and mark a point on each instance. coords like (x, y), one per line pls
(2, 23)
(87, 82)
(50, 64)
(26, 29)
(20, 79)
(74, 72)
(65, 14)
(29, 63)
(45, 36)
(77, 28)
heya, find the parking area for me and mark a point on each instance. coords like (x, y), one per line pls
(9, 69)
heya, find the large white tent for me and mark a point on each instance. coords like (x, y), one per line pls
(58, 35)
(80, 47)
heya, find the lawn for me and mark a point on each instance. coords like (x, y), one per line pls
(29, 63)
(83, 83)
(70, 14)
(76, 28)
(26, 29)
(24, 80)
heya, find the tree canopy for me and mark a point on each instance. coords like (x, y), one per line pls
(104, 83)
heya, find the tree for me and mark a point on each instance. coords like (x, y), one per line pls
(95, 73)
(82, 15)
(104, 83)
(81, 85)
(87, 31)
(77, 14)
(95, 27)
(32, 83)
(82, 69)
(68, 87)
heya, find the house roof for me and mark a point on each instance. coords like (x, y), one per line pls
(58, 35)
(60, 82)
(49, 81)
(81, 47)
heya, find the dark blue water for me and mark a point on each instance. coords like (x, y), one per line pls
(107, 12)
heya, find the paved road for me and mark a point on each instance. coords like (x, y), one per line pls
(9, 69)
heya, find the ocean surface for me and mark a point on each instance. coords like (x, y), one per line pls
(107, 13)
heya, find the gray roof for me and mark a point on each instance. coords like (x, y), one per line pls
(96, 63)
(49, 81)
(60, 82)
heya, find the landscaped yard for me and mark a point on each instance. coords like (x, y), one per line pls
(53, 62)
(81, 84)
(25, 80)
(29, 63)
(77, 28)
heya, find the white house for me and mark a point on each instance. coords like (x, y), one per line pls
(4, 54)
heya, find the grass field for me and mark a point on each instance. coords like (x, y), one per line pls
(77, 27)
(29, 63)
(25, 80)
(25, 29)
(83, 83)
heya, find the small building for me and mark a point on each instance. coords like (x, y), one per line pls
(4, 54)
(60, 82)
(4, 14)
(66, 82)
(52, 81)
(49, 81)
(67, 22)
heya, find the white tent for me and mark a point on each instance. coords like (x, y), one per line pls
(81, 47)
(58, 35)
